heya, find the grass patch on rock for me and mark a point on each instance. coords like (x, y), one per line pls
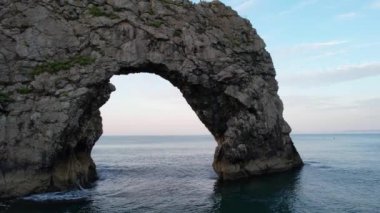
(4, 97)
(174, 2)
(156, 23)
(55, 66)
(98, 12)
(177, 33)
(24, 90)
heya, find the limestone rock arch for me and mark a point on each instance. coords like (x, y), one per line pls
(56, 59)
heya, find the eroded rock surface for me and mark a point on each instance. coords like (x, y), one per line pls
(56, 59)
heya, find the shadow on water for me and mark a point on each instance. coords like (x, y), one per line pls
(272, 193)
(42, 207)
(48, 202)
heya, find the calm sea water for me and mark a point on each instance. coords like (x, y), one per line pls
(174, 174)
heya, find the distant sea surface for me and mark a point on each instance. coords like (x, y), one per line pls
(174, 174)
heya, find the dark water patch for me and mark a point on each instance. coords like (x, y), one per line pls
(273, 193)
(42, 206)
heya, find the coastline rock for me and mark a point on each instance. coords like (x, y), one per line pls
(56, 59)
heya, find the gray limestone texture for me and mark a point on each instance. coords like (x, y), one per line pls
(56, 59)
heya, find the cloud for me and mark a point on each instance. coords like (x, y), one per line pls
(318, 45)
(375, 4)
(298, 7)
(331, 103)
(312, 50)
(368, 44)
(311, 102)
(326, 54)
(331, 113)
(328, 77)
(244, 6)
(347, 16)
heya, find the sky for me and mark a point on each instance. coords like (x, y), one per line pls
(327, 58)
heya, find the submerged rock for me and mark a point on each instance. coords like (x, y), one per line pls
(56, 59)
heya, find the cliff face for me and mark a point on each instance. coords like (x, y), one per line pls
(56, 59)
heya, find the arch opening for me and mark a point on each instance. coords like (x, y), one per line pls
(146, 104)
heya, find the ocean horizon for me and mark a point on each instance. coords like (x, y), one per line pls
(348, 132)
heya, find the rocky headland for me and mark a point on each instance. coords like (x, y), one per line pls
(56, 60)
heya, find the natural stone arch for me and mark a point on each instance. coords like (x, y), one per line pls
(56, 61)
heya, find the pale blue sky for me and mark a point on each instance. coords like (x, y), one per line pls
(327, 57)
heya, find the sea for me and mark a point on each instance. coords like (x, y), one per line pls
(174, 174)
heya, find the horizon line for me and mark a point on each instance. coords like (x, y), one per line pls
(295, 133)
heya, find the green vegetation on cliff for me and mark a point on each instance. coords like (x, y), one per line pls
(97, 12)
(4, 97)
(24, 90)
(55, 66)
